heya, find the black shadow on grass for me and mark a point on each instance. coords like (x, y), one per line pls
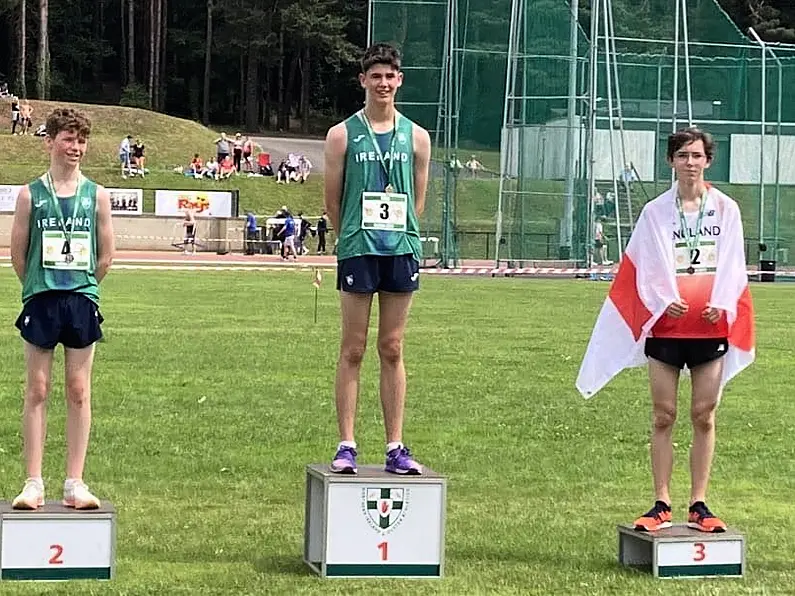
(598, 564)
(282, 564)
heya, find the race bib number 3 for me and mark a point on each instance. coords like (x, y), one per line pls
(52, 251)
(384, 211)
(703, 259)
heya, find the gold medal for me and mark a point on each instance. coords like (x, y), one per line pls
(389, 188)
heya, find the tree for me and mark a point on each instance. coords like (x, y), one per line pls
(23, 50)
(130, 42)
(43, 58)
(208, 41)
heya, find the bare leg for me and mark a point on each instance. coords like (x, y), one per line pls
(355, 322)
(664, 383)
(38, 363)
(706, 392)
(78, 408)
(393, 314)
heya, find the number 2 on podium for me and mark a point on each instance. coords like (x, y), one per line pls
(383, 547)
(56, 558)
(700, 553)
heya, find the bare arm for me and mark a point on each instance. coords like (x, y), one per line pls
(20, 233)
(334, 155)
(106, 241)
(422, 161)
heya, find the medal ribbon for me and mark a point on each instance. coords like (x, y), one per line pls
(57, 206)
(692, 245)
(371, 132)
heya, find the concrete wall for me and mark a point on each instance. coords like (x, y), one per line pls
(149, 232)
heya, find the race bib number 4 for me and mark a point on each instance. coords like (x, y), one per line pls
(384, 211)
(703, 259)
(53, 255)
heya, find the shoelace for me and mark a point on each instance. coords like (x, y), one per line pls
(702, 511)
(656, 512)
(346, 450)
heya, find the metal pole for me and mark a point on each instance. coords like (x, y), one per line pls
(762, 142)
(676, 71)
(657, 125)
(568, 207)
(507, 121)
(610, 130)
(593, 93)
(624, 161)
(369, 23)
(778, 158)
(686, 36)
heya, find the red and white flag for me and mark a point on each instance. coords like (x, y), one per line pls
(646, 284)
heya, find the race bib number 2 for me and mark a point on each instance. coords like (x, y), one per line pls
(384, 211)
(703, 259)
(53, 255)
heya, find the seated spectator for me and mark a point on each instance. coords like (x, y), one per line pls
(304, 167)
(196, 166)
(211, 169)
(227, 167)
(282, 173)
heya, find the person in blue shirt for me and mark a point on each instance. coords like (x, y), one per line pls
(288, 235)
(251, 233)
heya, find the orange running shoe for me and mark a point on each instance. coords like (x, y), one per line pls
(699, 517)
(657, 518)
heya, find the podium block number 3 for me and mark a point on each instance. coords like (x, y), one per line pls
(57, 551)
(700, 552)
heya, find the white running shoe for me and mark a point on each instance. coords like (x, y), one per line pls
(31, 497)
(77, 495)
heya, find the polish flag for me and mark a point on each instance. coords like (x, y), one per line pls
(645, 285)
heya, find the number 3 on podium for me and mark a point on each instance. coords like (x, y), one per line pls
(700, 553)
(383, 547)
(55, 559)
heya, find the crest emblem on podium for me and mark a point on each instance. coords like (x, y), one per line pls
(384, 507)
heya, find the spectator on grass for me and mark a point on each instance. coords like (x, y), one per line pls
(139, 157)
(304, 167)
(226, 168)
(248, 150)
(124, 155)
(25, 116)
(237, 146)
(14, 114)
(221, 147)
(211, 169)
(196, 166)
(473, 165)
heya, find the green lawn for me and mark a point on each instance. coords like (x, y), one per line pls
(206, 413)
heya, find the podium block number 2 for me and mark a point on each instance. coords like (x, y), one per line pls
(57, 551)
(384, 548)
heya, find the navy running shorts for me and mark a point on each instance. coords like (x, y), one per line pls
(68, 318)
(369, 274)
(681, 352)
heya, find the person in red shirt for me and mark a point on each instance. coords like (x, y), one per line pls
(690, 333)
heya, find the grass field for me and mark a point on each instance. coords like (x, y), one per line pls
(206, 413)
